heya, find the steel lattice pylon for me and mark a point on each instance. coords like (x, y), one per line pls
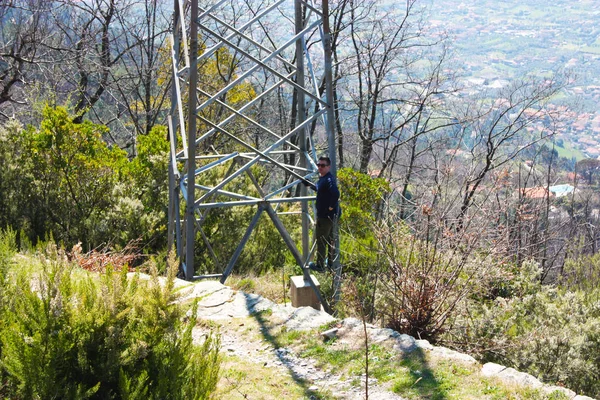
(262, 80)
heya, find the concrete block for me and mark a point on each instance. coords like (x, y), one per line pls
(302, 293)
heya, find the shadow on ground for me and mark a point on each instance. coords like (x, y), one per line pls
(417, 381)
(420, 380)
(266, 330)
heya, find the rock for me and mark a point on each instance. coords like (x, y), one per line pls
(351, 323)
(510, 375)
(200, 290)
(307, 318)
(330, 333)
(551, 389)
(217, 298)
(380, 335)
(491, 369)
(282, 350)
(453, 355)
(405, 343)
(256, 303)
(578, 397)
(424, 344)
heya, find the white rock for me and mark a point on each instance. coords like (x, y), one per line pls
(330, 333)
(491, 369)
(351, 323)
(307, 318)
(380, 335)
(551, 389)
(405, 343)
(511, 375)
(453, 355)
(200, 289)
(424, 344)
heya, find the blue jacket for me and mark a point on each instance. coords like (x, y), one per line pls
(327, 196)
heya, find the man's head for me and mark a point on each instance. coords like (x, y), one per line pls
(324, 164)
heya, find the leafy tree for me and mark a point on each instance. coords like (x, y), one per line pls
(362, 198)
(588, 167)
(63, 180)
(11, 175)
(140, 197)
(72, 172)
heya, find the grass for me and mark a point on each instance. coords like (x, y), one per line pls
(417, 375)
(274, 286)
(243, 379)
(568, 151)
(337, 359)
(414, 376)
(287, 338)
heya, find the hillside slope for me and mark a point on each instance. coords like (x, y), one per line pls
(274, 351)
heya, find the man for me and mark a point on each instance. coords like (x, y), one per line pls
(328, 196)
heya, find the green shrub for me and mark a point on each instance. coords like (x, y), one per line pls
(66, 334)
(582, 274)
(80, 189)
(7, 250)
(548, 332)
(8, 247)
(361, 197)
(246, 285)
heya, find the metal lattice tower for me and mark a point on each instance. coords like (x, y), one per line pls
(251, 94)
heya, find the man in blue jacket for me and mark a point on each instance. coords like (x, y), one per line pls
(328, 196)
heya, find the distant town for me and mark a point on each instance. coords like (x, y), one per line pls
(500, 41)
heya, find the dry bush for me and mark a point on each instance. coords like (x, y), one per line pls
(425, 278)
(97, 260)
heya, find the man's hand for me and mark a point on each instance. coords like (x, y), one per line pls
(309, 184)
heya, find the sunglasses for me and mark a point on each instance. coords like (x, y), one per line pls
(322, 165)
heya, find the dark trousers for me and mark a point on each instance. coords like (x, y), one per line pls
(324, 237)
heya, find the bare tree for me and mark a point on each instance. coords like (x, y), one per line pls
(142, 80)
(25, 35)
(498, 130)
(101, 56)
(386, 47)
